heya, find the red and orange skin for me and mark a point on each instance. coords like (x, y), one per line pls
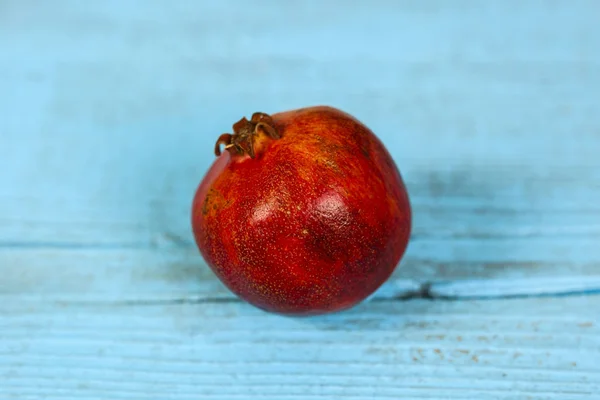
(314, 223)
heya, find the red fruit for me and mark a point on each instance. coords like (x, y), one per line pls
(305, 213)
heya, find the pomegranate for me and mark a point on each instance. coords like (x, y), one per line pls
(304, 213)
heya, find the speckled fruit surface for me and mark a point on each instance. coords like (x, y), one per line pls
(304, 213)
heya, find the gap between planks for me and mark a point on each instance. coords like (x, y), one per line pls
(395, 290)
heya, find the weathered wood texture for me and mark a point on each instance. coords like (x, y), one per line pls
(497, 349)
(108, 114)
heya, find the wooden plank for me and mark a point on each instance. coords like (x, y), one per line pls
(130, 275)
(465, 227)
(543, 348)
(510, 202)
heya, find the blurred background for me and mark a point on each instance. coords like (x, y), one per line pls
(110, 109)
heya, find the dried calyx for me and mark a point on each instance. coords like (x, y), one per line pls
(244, 134)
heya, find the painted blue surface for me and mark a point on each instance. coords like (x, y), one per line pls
(109, 112)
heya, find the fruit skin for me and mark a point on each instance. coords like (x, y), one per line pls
(314, 223)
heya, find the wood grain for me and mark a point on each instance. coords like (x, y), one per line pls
(417, 349)
(109, 111)
(511, 226)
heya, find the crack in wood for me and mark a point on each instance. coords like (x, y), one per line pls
(465, 290)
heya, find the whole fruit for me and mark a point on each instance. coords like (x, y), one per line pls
(305, 212)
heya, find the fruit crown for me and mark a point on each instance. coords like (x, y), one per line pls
(244, 134)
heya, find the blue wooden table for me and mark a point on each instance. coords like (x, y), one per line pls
(108, 114)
